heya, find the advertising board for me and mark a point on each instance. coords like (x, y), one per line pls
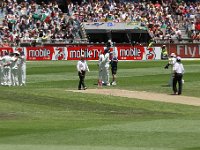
(91, 52)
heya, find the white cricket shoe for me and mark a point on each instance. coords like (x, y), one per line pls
(108, 84)
(114, 83)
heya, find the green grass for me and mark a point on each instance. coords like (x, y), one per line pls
(44, 116)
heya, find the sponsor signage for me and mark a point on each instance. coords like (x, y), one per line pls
(92, 52)
(185, 50)
(39, 53)
(3, 50)
(188, 51)
(46, 53)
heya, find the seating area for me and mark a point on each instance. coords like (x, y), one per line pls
(31, 22)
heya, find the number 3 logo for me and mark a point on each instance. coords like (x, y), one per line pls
(151, 55)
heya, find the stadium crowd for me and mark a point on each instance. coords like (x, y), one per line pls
(28, 21)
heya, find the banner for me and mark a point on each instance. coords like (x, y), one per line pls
(39, 53)
(185, 50)
(5, 49)
(130, 53)
(90, 52)
(139, 53)
(46, 53)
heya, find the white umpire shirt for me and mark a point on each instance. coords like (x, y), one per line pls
(178, 68)
(82, 66)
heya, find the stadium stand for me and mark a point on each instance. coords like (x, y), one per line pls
(30, 22)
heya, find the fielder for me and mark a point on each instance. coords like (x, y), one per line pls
(22, 69)
(171, 63)
(6, 69)
(14, 69)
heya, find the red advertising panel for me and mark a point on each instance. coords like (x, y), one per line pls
(5, 49)
(186, 50)
(46, 53)
(59, 53)
(91, 53)
(39, 53)
(131, 53)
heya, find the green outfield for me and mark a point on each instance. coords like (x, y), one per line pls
(44, 116)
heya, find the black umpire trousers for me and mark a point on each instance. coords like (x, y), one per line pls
(81, 79)
(177, 78)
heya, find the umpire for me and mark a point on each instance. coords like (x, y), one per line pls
(178, 75)
(82, 67)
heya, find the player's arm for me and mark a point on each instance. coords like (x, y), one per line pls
(168, 64)
(7, 64)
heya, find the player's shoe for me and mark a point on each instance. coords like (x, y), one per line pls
(114, 83)
(108, 84)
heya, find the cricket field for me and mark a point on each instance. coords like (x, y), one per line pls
(46, 115)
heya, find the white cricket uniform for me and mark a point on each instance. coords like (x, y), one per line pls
(14, 71)
(172, 62)
(101, 65)
(106, 62)
(22, 70)
(1, 71)
(6, 70)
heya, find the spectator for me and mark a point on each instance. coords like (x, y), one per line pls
(161, 18)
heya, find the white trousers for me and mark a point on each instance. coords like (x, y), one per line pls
(7, 75)
(22, 75)
(14, 77)
(106, 75)
(100, 73)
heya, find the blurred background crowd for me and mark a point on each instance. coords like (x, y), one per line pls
(51, 20)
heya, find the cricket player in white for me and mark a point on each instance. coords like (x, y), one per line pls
(100, 65)
(22, 69)
(6, 69)
(106, 63)
(14, 69)
(172, 61)
(1, 71)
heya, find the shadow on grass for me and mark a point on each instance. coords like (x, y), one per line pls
(192, 148)
(166, 85)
